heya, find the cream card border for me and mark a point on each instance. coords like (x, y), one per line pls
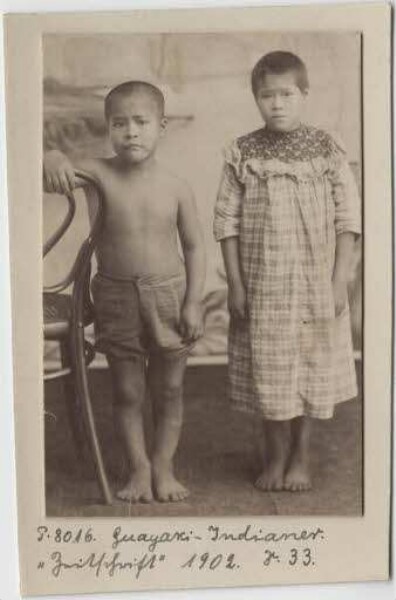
(355, 548)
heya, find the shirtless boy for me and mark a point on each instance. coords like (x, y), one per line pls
(147, 299)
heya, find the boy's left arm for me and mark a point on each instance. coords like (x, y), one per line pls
(348, 228)
(191, 238)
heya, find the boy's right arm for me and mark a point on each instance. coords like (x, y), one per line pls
(59, 172)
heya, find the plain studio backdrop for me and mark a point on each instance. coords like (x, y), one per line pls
(206, 82)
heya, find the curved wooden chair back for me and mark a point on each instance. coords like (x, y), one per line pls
(81, 353)
(88, 247)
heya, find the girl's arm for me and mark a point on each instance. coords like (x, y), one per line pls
(236, 289)
(226, 225)
(345, 243)
(348, 228)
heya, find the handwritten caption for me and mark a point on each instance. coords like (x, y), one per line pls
(139, 552)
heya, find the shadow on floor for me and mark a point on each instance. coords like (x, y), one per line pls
(217, 458)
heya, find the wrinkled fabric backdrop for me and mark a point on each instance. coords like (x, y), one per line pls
(206, 82)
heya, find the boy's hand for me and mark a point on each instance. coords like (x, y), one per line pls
(340, 293)
(58, 173)
(237, 304)
(191, 322)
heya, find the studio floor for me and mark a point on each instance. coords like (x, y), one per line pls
(216, 459)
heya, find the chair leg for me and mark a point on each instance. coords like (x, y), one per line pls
(81, 379)
(73, 406)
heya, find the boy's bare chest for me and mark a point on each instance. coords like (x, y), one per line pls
(138, 203)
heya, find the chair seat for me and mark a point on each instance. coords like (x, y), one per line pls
(57, 312)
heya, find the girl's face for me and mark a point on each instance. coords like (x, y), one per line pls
(280, 101)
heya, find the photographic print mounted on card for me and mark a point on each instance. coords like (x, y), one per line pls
(200, 207)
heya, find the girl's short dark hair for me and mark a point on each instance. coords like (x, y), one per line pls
(280, 62)
(130, 87)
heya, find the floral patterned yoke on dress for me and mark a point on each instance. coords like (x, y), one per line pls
(286, 196)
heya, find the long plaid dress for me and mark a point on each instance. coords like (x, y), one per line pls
(286, 196)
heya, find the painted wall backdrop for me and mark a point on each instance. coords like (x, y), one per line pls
(206, 82)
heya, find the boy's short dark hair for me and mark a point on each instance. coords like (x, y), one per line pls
(277, 63)
(131, 87)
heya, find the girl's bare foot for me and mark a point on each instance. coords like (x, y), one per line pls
(138, 488)
(166, 486)
(298, 478)
(277, 443)
(272, 477)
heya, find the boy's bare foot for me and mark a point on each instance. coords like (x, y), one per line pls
(298, 478)
(166, 486)
(138, 488)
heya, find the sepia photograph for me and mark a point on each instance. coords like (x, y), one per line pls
(200, 227)
(203, 274)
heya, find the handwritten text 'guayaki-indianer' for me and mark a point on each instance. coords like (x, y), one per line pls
(136, 552)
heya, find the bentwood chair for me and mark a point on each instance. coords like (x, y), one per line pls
(66, 315)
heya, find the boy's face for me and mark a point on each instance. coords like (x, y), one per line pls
(135, 126)
(280, 101)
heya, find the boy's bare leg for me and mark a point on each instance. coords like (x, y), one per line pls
(298, 476)
(166, 385)
(276, 435)
(129, 387)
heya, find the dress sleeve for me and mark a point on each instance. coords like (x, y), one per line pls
(229, 200)
(345, 195)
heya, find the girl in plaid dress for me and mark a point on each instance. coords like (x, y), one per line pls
(287, 216)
